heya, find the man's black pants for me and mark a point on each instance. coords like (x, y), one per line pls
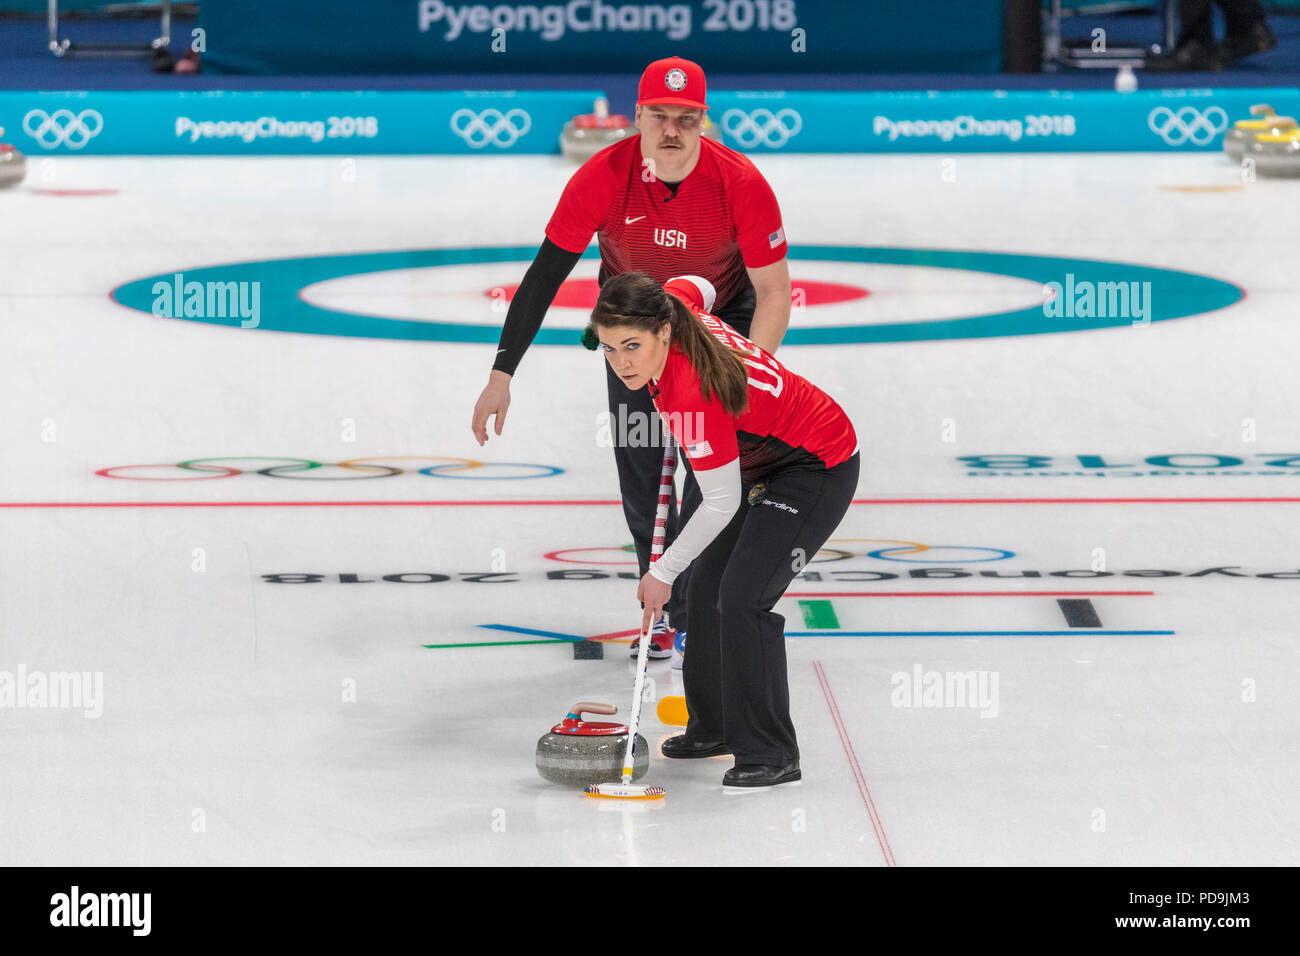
(1196, 18)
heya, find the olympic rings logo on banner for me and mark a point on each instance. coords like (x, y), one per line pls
(826, 555)
(63, 127)
(1188, 123)
(490, 126)
(762, 126)
(304, 469)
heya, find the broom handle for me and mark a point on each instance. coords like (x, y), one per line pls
(656, 549)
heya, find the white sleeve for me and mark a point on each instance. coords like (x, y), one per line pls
(721, 490)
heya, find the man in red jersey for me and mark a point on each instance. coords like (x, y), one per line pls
(666, 202)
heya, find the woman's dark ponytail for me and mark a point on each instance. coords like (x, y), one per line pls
(636, 300)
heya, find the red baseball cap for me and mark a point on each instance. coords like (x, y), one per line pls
(672, 80)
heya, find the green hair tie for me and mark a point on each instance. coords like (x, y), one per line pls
(590, 341)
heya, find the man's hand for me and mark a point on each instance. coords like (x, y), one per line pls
(494, 400)
(654, 594)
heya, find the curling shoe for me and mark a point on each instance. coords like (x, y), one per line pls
(681, 746)
(661, 642)
(755, 775)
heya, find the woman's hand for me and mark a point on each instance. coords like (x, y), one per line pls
(654, 594)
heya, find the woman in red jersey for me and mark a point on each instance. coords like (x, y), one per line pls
(777, 462)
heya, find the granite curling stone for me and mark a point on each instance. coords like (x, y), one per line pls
(585, 136)
(1238, 140)
(1276, 154)
(13, 165)
(577, 752)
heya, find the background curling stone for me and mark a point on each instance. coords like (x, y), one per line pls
(13, 165)
(1276, 154)
(578, 753)
(1241, 137)
(585, 136)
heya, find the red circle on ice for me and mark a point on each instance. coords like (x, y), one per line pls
(582, 293)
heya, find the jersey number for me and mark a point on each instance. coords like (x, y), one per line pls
(771, 369)
(733, 339)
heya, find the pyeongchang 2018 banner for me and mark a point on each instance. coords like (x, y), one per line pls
(982, 121)
(330, 37)
(276, 123)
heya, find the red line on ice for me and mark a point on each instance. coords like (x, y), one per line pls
(831, 594)
(508, 503)
(614, 635)
(870, 804)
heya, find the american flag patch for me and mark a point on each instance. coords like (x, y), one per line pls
(702, 450)
(776, 238)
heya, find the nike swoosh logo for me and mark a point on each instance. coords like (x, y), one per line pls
(499, 351)
(630, 221)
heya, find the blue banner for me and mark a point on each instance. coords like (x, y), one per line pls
(493, 122)
(978, 121)
(289, 123)
(322, 37)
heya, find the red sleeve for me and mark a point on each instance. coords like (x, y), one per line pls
(582, 206)
(704, 430)
(686, 290)
(758, 221)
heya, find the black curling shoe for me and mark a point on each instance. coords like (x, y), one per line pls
(1192, 55)
(680, 747)
(1258, 38)
(761, 775)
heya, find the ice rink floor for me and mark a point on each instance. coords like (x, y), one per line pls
(336, 636)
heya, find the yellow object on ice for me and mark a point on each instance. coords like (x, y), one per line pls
(622, 792)
(672, 711)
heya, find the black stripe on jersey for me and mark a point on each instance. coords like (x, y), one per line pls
(760, 455)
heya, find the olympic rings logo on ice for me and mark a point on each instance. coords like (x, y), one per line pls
(1188, 123)
(63, 127)
(304, 469)
(910, 547)
(828, 553)
(762, 126)
(490, 126)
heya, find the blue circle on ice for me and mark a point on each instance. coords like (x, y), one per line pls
(1167, 294)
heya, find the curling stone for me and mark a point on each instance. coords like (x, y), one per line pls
(579, 752)
(13, 165)
(1276, 153)
(1241, 137)
(585, 136)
